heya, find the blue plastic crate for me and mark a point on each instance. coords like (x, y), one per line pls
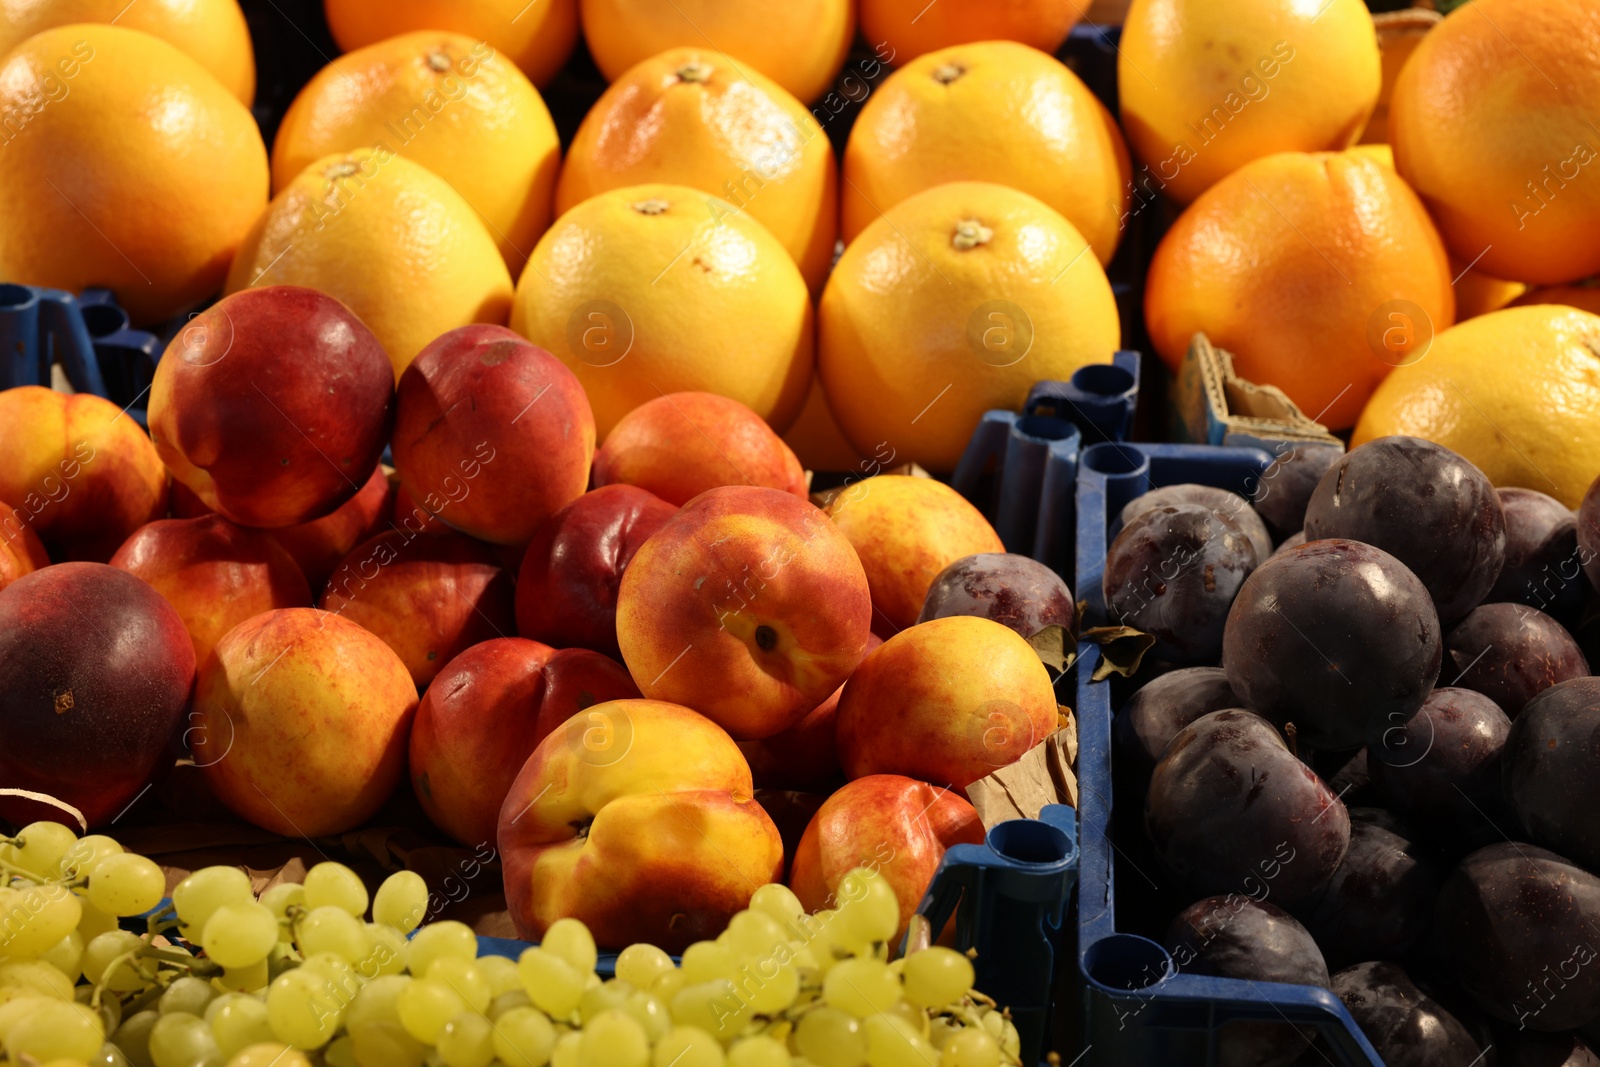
(89, 337)
(1136, 1006)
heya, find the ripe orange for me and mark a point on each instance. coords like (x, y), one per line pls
(1291, 263)
(954, 301)
(658, 289)
(211, 32)
(996, 112)
(1583, 297)
(536, 36)
(800, 44)
(911, 28)
(1492, 121)
(1478, 293)
(453, 104)
(691, 117)
(390, 239)
(1205, 88)
(125, 164)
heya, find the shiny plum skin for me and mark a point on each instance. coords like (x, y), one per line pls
(1286, 486)
(1552, 769)
(1173, 572)
(1004, 587)
(1511, 653)
(1543, 566)
(1294, 540)
(1376, 905)
(1407, 1027)
(1335, 636)
(1166, 704)
(1589, 533)
(1423, 504)
(1515, 924)
(1219, 501)
(1230, 809)
(1441, 770)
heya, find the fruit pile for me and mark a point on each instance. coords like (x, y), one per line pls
(1366, 756)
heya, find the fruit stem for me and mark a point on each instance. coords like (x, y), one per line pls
(970, 233)
(653, 206)
(695, 71)
(1291, 734)
(438, 60)
(948, 73)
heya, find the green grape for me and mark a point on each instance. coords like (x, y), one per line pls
(33, 919)
(331, 929)
(41, 846)
(377, 1001)
(571, 940)
(667, 986)
(612, 1039)
(861, 987)
(465, 979)
(401, 901)
(17, 1009)
(650, 1012)
(55, 1029)
(777, 900)
(425, 1005)
(105, 950)
(829, 1037)
(85, 855)
(892, 1041)
(714, 1007)
(687, 1046)
(768, 996)
(970, 1047)
(467, 1041)
(125, 884)
(754, 934)
(937, 976)
(246, 979)
(523, 1037)
(385, 1043)
(868, 906)
(238, 935)
(66, 955)
(706, 961)
(565, 1053)
(133, 1037)
(334, 885)
(500, 972)
(448, 938)
(179, 1039)
(602, 997)
(640, 965)
(238, 1020)
(186, 994)
(552, 983)
(386, 952)
(283, 896)
(94, 922)
(760, 1051)
(512, 998)
(303, 1008)
(36, 976)
(208, 889)
(109, 1009)
(340, 1053)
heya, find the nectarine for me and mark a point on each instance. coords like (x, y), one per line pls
(320, 545)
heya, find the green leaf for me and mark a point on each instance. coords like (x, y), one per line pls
(1122, 649)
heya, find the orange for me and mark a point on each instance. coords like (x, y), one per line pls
(906, 29)
(123, 163)
(1399, 33)
(996, 112)
(658, 289)
(211, 32)
(1478, 293)
(1291, 263)
(1205, 87)
(537, 36)
(800, 44)
(1583, 297)
(692, 117)
(387, 237)
(1493, 123)
(1515, 391)
(454, 105)
(954, 301)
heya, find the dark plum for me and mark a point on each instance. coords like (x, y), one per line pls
(1230, 809)
(1351, 782)
(1441, 769)
(1173, 572)
(1527, 1049)
(1517, 927)
(1589, 533)
(1511, 653)
(1234, 936)
(1335, 636)
(1376, 905)
(1423, 504)
(1407, 1027)
(1287, 485)
(1552, 769)
(1294, 540)
(1003, 587)
(1219, 501)
(1543, 567)
(1166, 704)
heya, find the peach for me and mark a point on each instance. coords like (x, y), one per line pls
(897, 826)
(948, 701)
(485, 712)
(77, 471)
(493, 433)
(681, 444)
(805, 754)
(272, 405)
(567, 587)
(906, 530)
(635, 816)
(429, 596)
(300, 722)
(21, 551)
(748, 605)
(320, 545)
(215, 573)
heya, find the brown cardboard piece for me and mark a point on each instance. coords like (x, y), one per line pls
(1043, 776)
(1215, 406)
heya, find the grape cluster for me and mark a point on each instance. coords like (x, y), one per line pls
(301, 977)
